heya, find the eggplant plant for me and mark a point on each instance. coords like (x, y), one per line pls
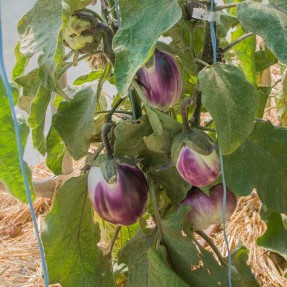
(184, 128)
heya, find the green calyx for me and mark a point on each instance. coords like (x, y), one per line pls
(196, 139)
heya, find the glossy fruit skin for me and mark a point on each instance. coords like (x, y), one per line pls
(123, 201)
(161, 83)
(197, 169)
(207, 210)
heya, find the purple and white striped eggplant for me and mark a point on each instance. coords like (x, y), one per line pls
(121, 200)
(195, 158)
(161, 83)
(197, 169)
(207, 210)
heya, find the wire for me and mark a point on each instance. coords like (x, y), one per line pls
(20, 152)
(214, 48)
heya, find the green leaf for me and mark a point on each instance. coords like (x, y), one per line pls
(145, 20)
(245, 52)
(274, 238)
(37, 118)
(231, 100)
(31, 84)
(243, 276)
(76, 5)
(55, 151)
(263, 20)
(92, 76)
(185, 256)
(226, 22)
(10, 171)
(74, 121)
(129, 137)
(159, 273)
(104, 77)
(21, 63)
(134, 253)
(264, 59)
(70, 239)
(164, 128)
(260, 163)
(263, 94)
(40, 27)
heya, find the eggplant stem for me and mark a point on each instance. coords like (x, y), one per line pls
(155, 208)
(105, 135)
(212, 245)
(113, 241)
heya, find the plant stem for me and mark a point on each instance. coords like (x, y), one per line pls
(136, 104)
(116, 112)
(276, 83)
(92, 157)
(205, 129)
(231, 45)
(111, 112)
(195, 120)
(184, 113)
(226, 6)
(205, 59)
(196, 60)
(113, 241)
(155, 208)
(212, 245)
(105, 135)
(95, 14)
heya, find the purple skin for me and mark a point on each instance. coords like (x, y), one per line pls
(207, 210)
(198, 170)
(120, 203)
(161, 83)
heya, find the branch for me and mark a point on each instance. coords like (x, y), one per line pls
(231, 45)
(212, 245)
(226, 6)
(113, 241)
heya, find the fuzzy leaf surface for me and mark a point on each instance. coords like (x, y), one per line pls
(260, 162)
(231, 100)
(74, 121)
(263, 20)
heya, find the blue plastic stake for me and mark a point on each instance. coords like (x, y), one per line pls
(20, 152)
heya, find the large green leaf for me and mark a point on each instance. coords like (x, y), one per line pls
(164, 128)
(134, 253)
(55, 151)
(264, 59)
(274, 238)
(159, 272)
(268, 21)
(31, 84)
(70, 239)
(40, 27)
(245, 52)
(231, 100)
(74, 121)
(185, 257)
(21, 62)
(10, 171)
(243, 276)
(260, 162)
(129, 137)
(142, 22)
(37, 118)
